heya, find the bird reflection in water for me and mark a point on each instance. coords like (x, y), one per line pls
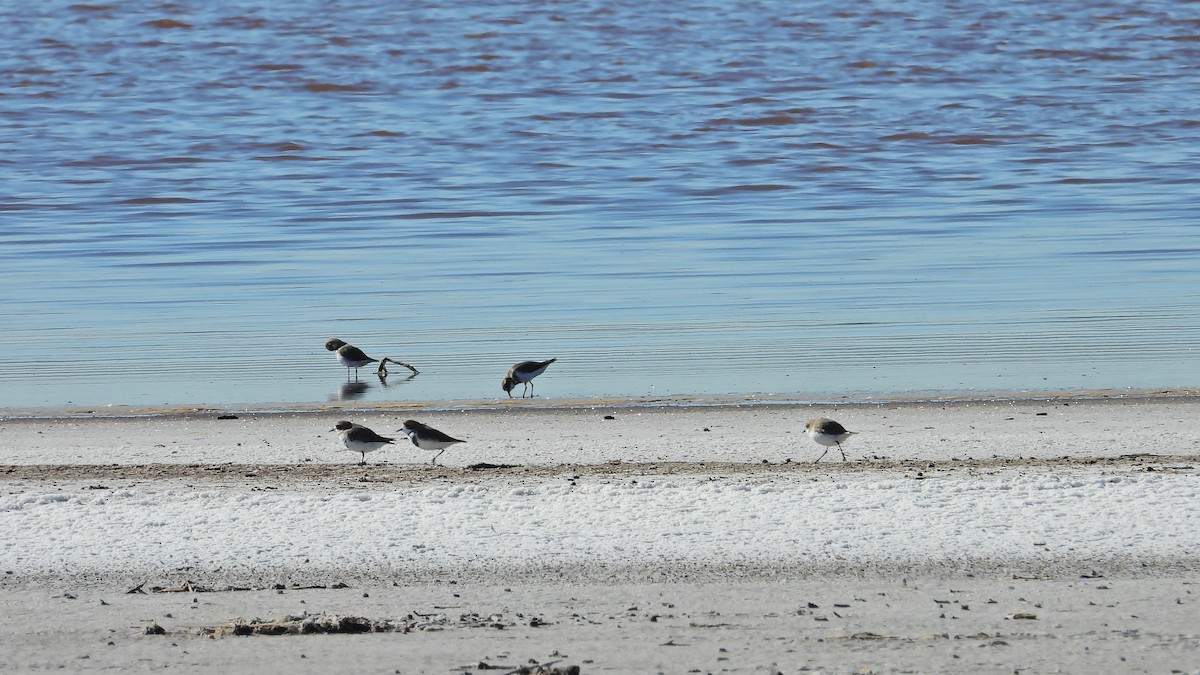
(353, 391)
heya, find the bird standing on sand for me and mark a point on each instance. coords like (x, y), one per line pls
(352, 357)
(358, 438)
(426, 437)
(523, 373)
(828, 433)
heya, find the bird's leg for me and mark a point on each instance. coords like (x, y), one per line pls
(382, 371)
(843, 452)
(821, 457)
(364, 462)
(434, 460)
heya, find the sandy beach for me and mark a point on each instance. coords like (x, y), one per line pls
(1037, 535)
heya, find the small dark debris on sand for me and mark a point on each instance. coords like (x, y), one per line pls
(533, 669)
(485, 466)
(191, 587)
(308, 625)
(313, 624)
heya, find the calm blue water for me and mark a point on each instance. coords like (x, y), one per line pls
(796, 198)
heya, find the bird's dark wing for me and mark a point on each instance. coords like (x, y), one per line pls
(522, 367)
(832, 428)
(530, 366)
(439, 436)
(361, 434)
(354, 353)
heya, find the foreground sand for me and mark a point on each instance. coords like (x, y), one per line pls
(835, 625)
(1001, 536)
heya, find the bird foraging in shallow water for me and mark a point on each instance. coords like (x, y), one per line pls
(348, 355)
(426, 437)
(523, 373)
(352, 357)
(828, 433)
(358, 438)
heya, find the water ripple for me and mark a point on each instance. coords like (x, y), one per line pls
(741, 197)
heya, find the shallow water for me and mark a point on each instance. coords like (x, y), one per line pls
(743, 197)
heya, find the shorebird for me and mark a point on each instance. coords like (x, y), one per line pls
(352, 357)
(523, 373)
(426, 437)
(828, 433)
(358, 438)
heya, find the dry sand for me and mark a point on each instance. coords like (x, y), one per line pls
(958, 594)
